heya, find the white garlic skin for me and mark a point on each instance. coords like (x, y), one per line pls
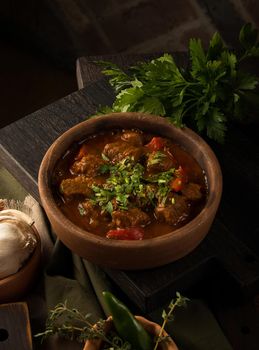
(17, 241)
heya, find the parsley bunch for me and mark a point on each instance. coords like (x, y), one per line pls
(205, 96)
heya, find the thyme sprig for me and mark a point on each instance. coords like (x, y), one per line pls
(85, 330)
(179, 301)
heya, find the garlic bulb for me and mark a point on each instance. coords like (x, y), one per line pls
(17, 241)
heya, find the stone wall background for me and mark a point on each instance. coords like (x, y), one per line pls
(66, 29)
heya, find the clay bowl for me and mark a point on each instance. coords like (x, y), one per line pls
(132, 255)
(152, 328)
(15, 286)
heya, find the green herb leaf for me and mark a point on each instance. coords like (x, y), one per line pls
(230, 61)
(104, 157)
(118, 79)
(215, 47)
(109, 207)
(81, 209)
(254, 51)
(164, 314)
(215, 125)
(127, 99)
(246, 81)
(152, 105)
(198, 57)
(157, 158)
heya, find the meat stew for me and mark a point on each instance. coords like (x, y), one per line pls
(128, 184)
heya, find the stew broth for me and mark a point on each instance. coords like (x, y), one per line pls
(164, 186)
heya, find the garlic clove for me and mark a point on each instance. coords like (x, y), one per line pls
(17, 241)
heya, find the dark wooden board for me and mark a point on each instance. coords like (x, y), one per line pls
(15, 330)
(220, 251)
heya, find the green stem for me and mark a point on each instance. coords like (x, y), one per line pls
(245, 55)
(100, 334)
(89, 324)
(78, 316)
(189, 108)
(163, 326)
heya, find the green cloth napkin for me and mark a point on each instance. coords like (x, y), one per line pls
(68, 277)
(9, 187)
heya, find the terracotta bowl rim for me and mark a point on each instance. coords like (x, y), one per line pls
(185, 230)
(33, 259)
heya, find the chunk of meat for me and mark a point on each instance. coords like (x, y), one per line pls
(129, 218)
(88, 165)
(84, 150)
(192, 191)
(95, 216)
(133, 137)
(79, 185)
(160, 161)
(119, 150)
(172, 214)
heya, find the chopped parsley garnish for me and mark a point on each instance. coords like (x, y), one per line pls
(81, 209)
(104, 157)
(125, 180)
(156, 158)
(127, 184)
(163, 181)
(109, 207)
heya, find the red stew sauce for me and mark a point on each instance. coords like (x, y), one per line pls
(127, 184)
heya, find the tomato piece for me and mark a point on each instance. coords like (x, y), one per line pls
(132, 233)
(84, 150)
(177, 184)
(156, 144)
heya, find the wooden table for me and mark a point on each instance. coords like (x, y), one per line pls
(228, 259)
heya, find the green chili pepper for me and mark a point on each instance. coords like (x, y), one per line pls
(126, 325)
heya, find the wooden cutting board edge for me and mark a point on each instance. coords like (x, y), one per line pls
(24, 309)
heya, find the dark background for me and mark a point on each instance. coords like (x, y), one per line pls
(41, 39)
